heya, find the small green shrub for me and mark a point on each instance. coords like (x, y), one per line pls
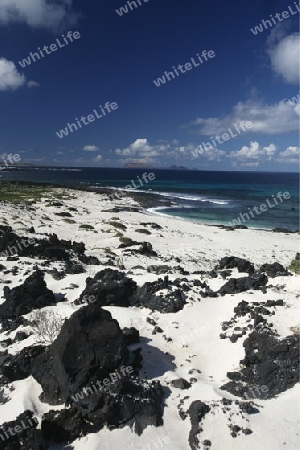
(295, 266)
(142, 230)
(126, 240)
(69, 220)
(86, 227)
(118, 225)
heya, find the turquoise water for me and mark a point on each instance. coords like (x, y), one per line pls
(210, 197)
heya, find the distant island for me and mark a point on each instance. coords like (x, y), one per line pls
(137, 166)
(146, 166)
(178, 168)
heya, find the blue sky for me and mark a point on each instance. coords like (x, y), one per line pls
(252, 77)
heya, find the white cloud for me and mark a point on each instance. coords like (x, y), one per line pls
(254, 151)
(256, 154)
(281, 117)
(90, 148)
(98, 158)
(32, 84)
(289, 156)
(10, 78)
(142, 152)
(252, 155)
(205, 150)
(285, 58)
(141, 149)
(139, 146)
(38, 13)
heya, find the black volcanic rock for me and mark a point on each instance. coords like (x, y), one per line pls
(181, 383)
(230, 262)
(236, 285)
(73, 268)
(128, 402)
(271, 366)
(282, 230)
(51, 248)
(63, 214)
(27, 437)
(54, 249)
(21, 336)
(21, 300)
(152, 225)
(146, 249)
(131, 335)
(197, 412)
(64, 425)
(90, 260)
(225, 273)
(109, 287)
(19, 367)
(8, 239)
(128, 243)
(89, 347)
(56, 204)
(148, 296)
(274, 270)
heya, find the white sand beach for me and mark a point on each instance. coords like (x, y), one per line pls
(189, 345)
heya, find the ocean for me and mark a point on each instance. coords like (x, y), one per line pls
(205, 196)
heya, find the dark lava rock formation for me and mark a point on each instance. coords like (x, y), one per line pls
(231, 262)
(109, 287)
(32, 294)
(131, 335)
(24, 434)
(197, 412)
(89, 347)
(126, 402)
(181, 383)
(145, 248)
(52, 249)
(274, 270)
(85, 368)
(148, 296)
(282, 230)
(19, 366)
(236, 285)
(271, 366)
(255, 280)
(256, 318)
